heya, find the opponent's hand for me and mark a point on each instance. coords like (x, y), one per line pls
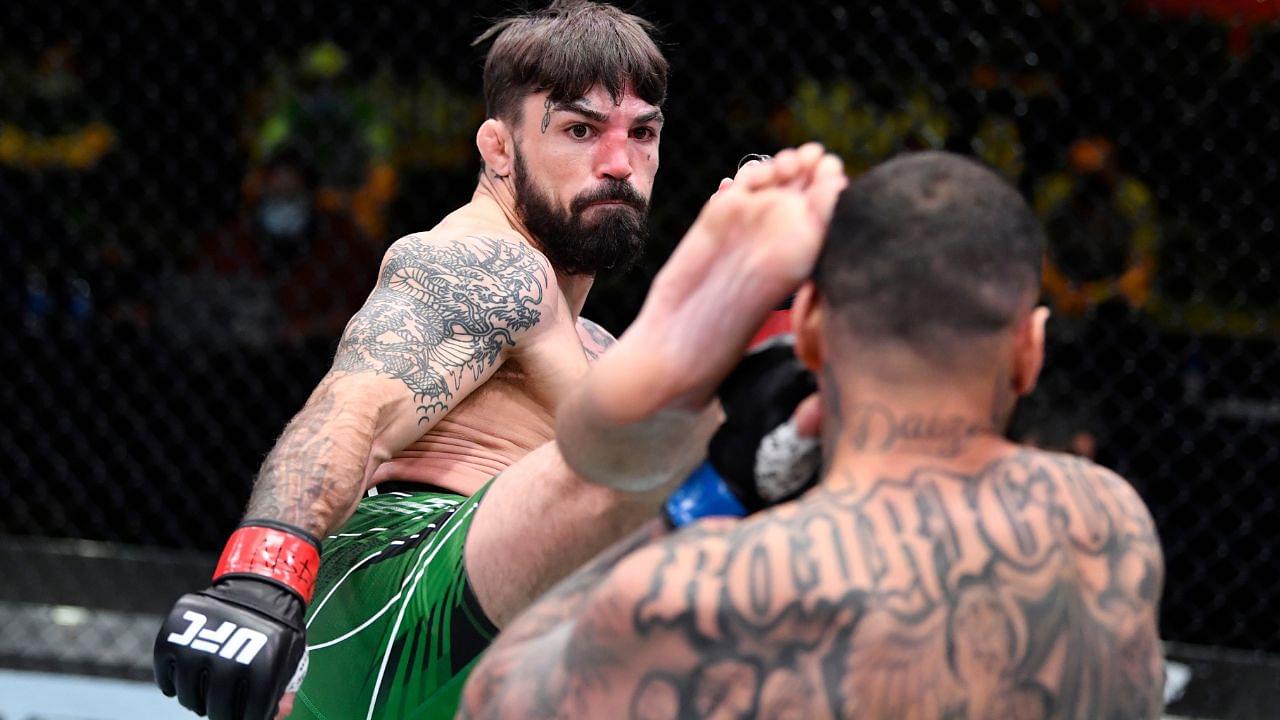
(233, 650)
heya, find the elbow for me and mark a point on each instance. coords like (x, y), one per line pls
(379, 453)
(364, 403)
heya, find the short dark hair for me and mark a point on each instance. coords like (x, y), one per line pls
(566, 49)
(929, 247)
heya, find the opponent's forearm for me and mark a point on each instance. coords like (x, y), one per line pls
(315, 473)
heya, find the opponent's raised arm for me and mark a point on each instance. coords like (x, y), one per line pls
(440, 321)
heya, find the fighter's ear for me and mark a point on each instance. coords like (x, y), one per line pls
(496, 145)
(1028, 350)
(806, 323)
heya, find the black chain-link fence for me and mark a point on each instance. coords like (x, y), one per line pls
(164, 316)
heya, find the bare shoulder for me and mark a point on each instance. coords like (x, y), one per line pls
(443, 314)
(1090, 493)
(595, 339)
(1035, 509)
(449, 282)
(1110, 534)
(491, 258)
(436, 282)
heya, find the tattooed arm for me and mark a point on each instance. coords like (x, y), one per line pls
(444, 315)
(1129, 600)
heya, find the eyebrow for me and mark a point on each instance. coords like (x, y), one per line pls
(577, 107)
(653, 116)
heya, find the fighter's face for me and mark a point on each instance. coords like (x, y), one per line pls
(584, 172)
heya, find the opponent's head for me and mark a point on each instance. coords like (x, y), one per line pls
(932, 262)
(573, 94)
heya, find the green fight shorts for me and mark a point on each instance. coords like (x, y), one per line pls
(394, 628)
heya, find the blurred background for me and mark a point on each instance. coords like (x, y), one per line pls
(194, 198)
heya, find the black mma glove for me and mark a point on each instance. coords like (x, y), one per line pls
(756, 458)
(232, 651)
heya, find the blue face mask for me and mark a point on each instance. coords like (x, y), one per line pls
(285, 216)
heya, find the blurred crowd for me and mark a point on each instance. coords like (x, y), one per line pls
(332, 158)
(323, 152)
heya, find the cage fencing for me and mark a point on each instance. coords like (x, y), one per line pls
(194, 198)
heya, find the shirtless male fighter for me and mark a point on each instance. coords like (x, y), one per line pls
(449, 374)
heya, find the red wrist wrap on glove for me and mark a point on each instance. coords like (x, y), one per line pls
(288, 558)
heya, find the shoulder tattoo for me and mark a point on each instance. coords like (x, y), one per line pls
(440, 311)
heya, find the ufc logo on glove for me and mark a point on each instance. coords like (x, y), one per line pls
(243, 640)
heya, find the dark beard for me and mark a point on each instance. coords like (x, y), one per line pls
(612, 243)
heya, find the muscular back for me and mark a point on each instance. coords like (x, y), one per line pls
(1026, 588)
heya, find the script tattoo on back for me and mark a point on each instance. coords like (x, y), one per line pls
(1027, 589)
(440, 311)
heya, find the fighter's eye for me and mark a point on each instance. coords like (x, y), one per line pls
(580, 131)
(644, 133)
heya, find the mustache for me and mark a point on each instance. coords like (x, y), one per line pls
(613, 191)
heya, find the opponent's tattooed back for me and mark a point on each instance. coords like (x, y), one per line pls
(1025, 589)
